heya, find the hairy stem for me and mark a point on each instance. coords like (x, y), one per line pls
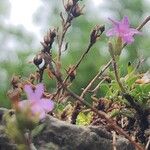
(115, 66)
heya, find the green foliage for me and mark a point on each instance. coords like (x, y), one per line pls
(37, 130)
(11, 129)
(124, 112)
(84, 118)
(104, 88)
(25, 120)
(17, 124)
(142, 93)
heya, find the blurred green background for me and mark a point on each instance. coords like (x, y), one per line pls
(18, 46)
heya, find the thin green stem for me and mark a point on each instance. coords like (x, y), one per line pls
(115, 66)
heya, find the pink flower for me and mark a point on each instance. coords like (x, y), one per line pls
(122, 29)
(36, 104)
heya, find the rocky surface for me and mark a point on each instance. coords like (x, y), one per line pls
(59, 135)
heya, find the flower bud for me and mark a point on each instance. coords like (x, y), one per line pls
(69, 5)
(77, 10)
(96, 33)
(14, 96)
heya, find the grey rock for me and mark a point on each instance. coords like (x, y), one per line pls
(59, 135)
(5, 144)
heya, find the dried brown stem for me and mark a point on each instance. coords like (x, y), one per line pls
(114, 140)
(65, 27)
(73, 10)
(143, 23)
(94, 91)
(95, 34)
(80, 60)
(90, 84)
(75, 112)
(95, 78)
(75, 67)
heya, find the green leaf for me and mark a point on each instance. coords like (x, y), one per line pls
(130, 68)
(114, 113)
(131, 80)
(114, 86)
(111, 75)
(104, 89)
(84, 119)
(38, 130)
(146, 88)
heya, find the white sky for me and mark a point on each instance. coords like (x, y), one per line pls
(22, 11)
(21, 14)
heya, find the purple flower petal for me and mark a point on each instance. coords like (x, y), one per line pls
(134, 31)
(128, 39)
(125, 22)
(34, 94)
(39, 91)
(29, 91)
(123, 30)
(34, 107)
(47, 105)
(39, 106)
(37, 110)
(111, 32)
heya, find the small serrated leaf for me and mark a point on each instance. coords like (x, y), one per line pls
(38, 130)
